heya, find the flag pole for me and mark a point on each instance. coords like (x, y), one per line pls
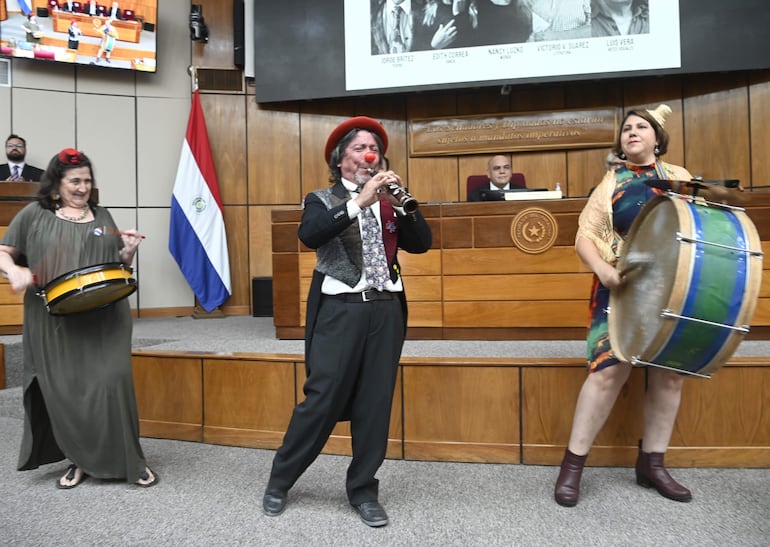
(197, 236)
(193, 71)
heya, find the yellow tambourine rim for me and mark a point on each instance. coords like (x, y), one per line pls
(79, 281)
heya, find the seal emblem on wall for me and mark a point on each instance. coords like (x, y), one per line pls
(534, 230)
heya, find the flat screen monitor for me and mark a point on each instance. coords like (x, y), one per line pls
(343, 48)
(120, 35)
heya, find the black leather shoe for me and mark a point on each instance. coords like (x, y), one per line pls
(372, 513)
(274, 503)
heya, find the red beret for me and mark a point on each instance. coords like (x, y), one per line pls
(358, 122)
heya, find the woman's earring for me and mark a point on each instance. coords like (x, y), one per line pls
(657, 150)
(55, 197)
(622, 156)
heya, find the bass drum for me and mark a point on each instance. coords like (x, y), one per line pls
(694, 274)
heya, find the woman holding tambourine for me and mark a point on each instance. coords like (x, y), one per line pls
(79, 396)
(605, 220)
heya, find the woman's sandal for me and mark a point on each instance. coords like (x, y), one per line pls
(145, 476)
(71, 475)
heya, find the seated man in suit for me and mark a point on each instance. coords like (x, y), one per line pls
(16, 170)
(114, 12)
(499, 171)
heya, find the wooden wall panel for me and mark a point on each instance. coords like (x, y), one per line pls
(537, 98)
(274, 158)
(461, 413)
(585, 169)
(433, 179)
(762, 313)
(716, 126)
(595, 94)
(317, 121)
(284, 236)
(260, 242)
(482, 101)
(422, 288)
(234, 415)
(420, 264)
(425, 314)
(169, 397)
(518, 287)
(457, 233)
(550, 313)
(226, 124)
(549, 396)
(759, 120)
(542, 169)
(286, 290)
(239, 302)
(510, 261)
(730, 409)
(11, 303)
(218, 51)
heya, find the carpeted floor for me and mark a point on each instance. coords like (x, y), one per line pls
(211, 495)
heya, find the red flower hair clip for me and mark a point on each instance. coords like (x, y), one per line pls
(70, 156)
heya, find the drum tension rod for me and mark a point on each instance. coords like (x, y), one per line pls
(669, 314)
(698, 200)
(636, 362)
(681, 237)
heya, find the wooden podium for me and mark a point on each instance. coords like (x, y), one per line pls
(14, 196)
(500, 270)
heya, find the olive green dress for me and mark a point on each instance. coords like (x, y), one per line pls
(79, 396)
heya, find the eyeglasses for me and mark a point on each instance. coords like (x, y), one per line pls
(14, 145)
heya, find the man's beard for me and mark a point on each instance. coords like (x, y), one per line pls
(15, 155)
(361, 179)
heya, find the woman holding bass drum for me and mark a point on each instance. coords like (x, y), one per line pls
(603, 223)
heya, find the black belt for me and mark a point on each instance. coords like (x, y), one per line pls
(366, 296)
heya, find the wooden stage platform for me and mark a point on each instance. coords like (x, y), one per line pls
(502, 410)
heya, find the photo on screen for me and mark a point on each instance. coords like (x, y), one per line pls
(426, 42)
(119, 35)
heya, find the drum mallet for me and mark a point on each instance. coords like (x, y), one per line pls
(636, 259)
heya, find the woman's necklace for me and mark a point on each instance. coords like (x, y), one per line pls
(78, 218)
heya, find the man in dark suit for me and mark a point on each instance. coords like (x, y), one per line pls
(17, 170)
(356, 316)
(115, 13)
(499, 171)
(400, 26)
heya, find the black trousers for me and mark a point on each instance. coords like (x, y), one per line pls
(353, 362)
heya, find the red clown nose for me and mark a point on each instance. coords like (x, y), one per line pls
(370, 157)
